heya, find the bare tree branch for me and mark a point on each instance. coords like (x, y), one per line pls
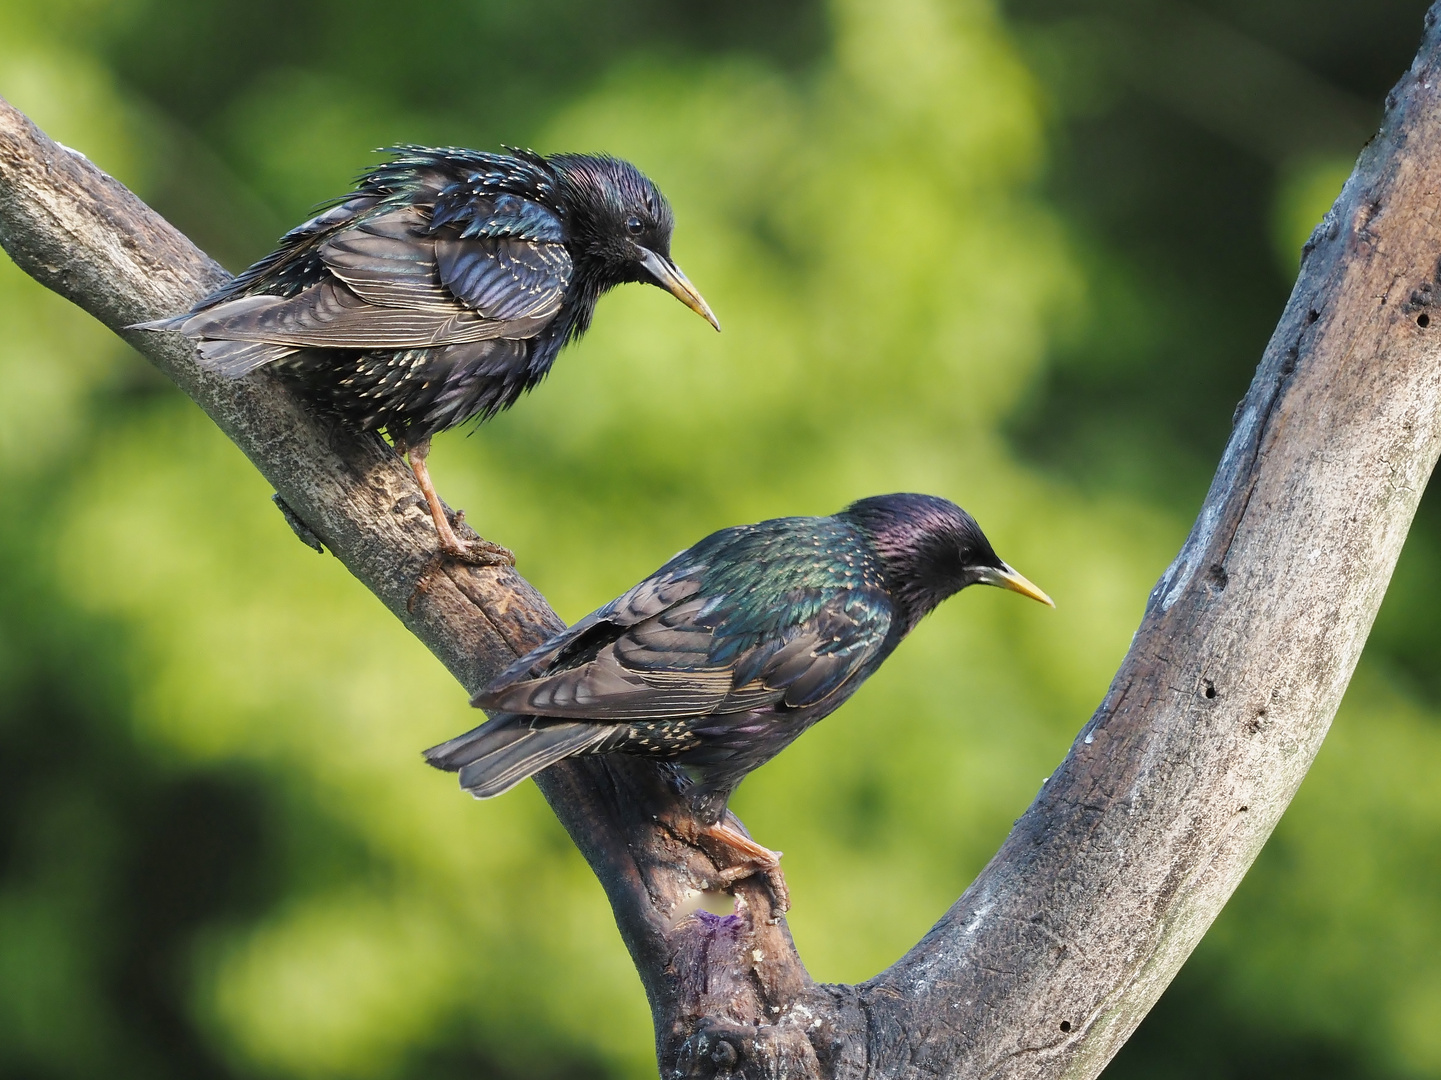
(1056, 952)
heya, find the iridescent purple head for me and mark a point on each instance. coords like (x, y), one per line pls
(932, 549)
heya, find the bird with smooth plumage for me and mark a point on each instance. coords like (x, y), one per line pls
(728, 652)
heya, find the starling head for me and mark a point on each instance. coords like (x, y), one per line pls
(932, 549)
(620, 226)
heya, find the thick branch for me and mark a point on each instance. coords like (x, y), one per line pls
(1052, 957)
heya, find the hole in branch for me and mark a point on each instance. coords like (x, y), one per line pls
(1065, 1025)
(717, 903)
(1210, 689)
(1423, 320)
(711, 901)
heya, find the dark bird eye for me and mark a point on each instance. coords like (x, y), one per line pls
(634, 225)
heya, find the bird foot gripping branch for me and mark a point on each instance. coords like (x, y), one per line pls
(726, 843)
(477, 551)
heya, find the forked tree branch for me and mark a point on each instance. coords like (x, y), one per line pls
(1052, 957)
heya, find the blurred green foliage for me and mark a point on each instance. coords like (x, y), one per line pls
(955, 249)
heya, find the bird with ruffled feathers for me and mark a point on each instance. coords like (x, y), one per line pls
(440, 291)
(728, 652)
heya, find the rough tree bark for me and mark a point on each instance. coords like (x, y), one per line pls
(1052, 957)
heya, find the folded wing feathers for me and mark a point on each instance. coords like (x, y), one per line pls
(605, 689)
(636, 605)
(504, 278)
(391, 290)
(386, 261)
(330, 315)
(651, 597)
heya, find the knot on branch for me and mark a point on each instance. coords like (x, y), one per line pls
(717, 1048)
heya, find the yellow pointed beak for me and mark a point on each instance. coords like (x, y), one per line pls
(668, 276)
(1005, 578)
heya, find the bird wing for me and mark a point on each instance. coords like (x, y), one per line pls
(501, 255)
(330, 315)
(505, 278)
(668, 649)
(399, 259)
(395, 284)
(579, 643)
(389, 260)
(813, 660)
(471, 211)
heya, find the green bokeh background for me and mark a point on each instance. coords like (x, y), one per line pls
(975, 250)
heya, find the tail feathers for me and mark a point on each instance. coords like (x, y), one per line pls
(233, 359)
(219, 354)
(205, 318)
(170, 322)
(499, 754)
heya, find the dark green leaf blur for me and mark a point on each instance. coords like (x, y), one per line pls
(1022, 256)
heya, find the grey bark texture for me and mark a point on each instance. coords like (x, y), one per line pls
(1052, 957)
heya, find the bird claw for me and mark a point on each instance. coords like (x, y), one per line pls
(475, 552)
(754, 860)
(775, 881)
(471, 552)
(479, 553)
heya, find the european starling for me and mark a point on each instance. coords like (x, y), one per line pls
(441, 290)
(729, 651)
